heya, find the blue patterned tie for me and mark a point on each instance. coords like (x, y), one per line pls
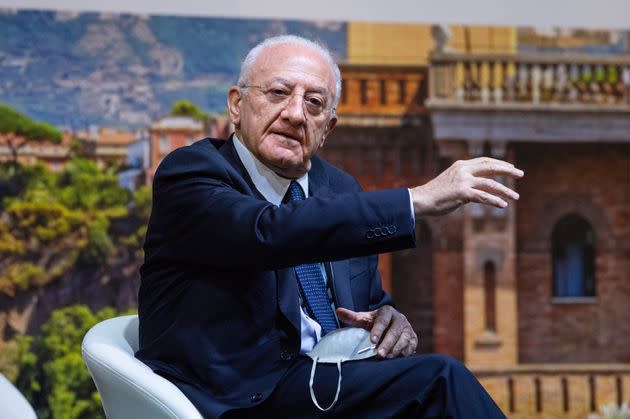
(311, 281)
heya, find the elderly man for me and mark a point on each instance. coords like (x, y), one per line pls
(256, 249)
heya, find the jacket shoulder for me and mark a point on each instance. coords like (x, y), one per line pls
(201, 157)
(338, 179)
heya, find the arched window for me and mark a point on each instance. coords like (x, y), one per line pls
(489, 285)
(573, 244)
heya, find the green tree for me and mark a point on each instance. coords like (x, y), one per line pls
(185, 107)
(18, 130)
(83, 185)
(53, 226)
(15, 180)
(99, 242)
(55, 223)
(41, 240)
(141, 204)
(52, 374)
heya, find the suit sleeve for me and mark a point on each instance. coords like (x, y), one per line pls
(203, 216)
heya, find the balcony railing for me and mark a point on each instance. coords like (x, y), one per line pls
(556, 390)
(561, 81)
(382, 93)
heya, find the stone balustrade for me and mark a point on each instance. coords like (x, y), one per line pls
(379, 95)
(574, 391)
(534, 79)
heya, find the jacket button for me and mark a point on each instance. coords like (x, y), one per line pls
(286, 356)
(369, 234)
(256, 397)
(391, 229)
(378, 232)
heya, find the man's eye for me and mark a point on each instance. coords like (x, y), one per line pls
(315, 101)
(278, 92)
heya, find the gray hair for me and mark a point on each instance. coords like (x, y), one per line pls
(246, 66)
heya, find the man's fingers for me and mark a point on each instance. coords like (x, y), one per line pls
(495, 188)
(497, 169)
(489, 161)
(362, 319)
(403, 343)
(397, 325)
(413, 344)
(389, 340)
(381, 323)
(488, 199)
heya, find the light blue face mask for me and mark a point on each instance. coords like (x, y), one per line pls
(346, 344)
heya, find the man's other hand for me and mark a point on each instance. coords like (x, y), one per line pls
(388, 328)
(465, 181)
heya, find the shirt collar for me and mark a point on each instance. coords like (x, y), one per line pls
(272, 186)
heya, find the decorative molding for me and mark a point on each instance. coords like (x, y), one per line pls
(582, 124)
(488, 340)
(574, 300)
(483, 255)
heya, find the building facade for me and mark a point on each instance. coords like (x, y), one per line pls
(532, 298)
(167, 134)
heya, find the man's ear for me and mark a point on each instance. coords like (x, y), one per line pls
(329, 127)
(234, 100)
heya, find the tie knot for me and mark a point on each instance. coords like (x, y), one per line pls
(294, 193)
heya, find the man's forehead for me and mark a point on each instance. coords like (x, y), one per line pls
(291, 82)
(290, 63)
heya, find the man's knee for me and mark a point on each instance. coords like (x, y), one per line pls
(446, 360)
(449, 365)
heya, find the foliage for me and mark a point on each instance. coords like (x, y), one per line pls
(14, 182)
(612, 411)
(54, 223)
(18, 129)
(99, 243)
(187, 108)
(41, 238)
(52, 374)
(83, 185)
(27, 367)
(78, 224)
(141, 203)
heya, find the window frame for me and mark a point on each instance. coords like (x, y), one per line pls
(566, 225)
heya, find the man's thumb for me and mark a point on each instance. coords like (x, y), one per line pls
(356, 319)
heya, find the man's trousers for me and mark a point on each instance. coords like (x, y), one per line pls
(419, 386)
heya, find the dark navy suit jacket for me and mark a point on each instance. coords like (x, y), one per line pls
(218, 303)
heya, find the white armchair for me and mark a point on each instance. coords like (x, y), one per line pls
(13, 405)
(129, 389)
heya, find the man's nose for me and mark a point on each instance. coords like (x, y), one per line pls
(294, 110)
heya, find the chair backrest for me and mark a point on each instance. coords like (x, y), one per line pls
(13, 405)
(129, 389)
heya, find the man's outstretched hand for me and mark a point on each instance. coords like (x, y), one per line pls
(466, 181)
(388, 328)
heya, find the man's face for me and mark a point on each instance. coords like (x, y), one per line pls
(277, 118)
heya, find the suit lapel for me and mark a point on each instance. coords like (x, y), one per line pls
(229, 153)
(288, 296)
(339, 271)
(341, 283)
